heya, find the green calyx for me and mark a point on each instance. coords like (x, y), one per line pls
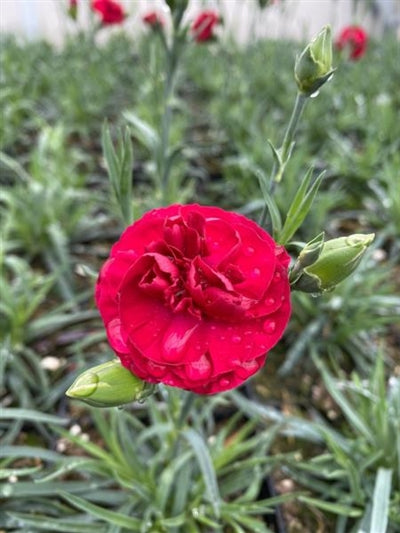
(314, 65)
(109, 385)
(337, 259)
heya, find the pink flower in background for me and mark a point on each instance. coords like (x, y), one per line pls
(194, 297)
(355, 39)
(203, 26)
(110, 12)
(153, 19)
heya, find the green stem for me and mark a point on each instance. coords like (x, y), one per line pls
(292, 126)
(285, 150)
(172, 60)
(166, 127)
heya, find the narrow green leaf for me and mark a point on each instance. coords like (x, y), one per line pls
(204, 459)
(142, 131)
(166, 480)
(109, 155)
(275, 153)
(13, 165)
(16, 413)
(27, 489)
(29, 451)
(74, 463)
(298, 348)
(300, 206)
(336, 508)
(5, 473)
(46, 523)
(342, 401)
(112, 517)
(381, 501)
(269, 201)
(174, 521)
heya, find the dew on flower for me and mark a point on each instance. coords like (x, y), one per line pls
(191, 291)
(224, 382)
(249, 250)
(200, 369)
(269, 326)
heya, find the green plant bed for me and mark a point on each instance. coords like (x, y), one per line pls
(323, 425)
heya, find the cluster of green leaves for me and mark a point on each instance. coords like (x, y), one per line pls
(357, 475)
(151, 474)
(159, 468)
(54, 89)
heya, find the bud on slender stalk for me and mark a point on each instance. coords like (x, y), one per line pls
(73, 9)
(314, 65)
(307, 256)
(336, 261)
(109, 385)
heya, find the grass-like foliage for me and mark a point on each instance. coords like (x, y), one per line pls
(327, 417)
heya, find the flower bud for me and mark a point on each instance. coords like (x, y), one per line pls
(177, 4)
(73, 9)
(337, 260)
(109, 385)
(314, 65)
(307, 256)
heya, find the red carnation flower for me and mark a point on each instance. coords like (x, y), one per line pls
(110, 12)
(153, 19)
(355, 39)
(203, 25)
(194, 297)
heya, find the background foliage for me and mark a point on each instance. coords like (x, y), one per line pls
(313, 442)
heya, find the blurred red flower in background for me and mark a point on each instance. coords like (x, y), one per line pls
(203, 25)
(355, 39)
(153, 19)
(110, 12)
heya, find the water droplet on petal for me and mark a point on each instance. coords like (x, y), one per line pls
(277, 276)
(269, 326)
(176, 340)
(222, 337)
(270, 301)
(116, 336)
(200, 369)
(244, 369)
(155, 369)
(249, 250)
(248, 333)
(256, 272)
(236, 339)
(224, 382)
